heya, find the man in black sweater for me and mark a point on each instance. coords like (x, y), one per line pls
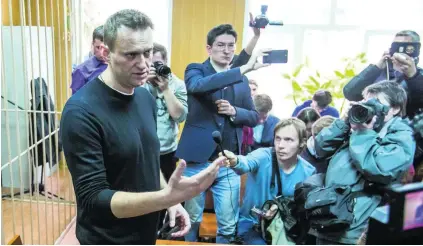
(112, 150)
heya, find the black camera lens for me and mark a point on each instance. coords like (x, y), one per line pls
(360, 114)
(162, 69)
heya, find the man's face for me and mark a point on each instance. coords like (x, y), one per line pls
(253, 89)
(314, 106)
(222, 49)
(287, 143)
(131, 60)
(382, 99)
(158, 57)
(97, 49)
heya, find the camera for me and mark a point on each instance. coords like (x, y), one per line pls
(364, 112)
(162, 69)
(401, 220)
(261, 21)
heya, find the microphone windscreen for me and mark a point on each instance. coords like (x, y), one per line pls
(217, 137)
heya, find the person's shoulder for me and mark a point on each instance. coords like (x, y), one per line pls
(307, 167)
(400, 125)
(273, 119)
(195, 66)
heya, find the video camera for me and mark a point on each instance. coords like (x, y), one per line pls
(401, 221)
(162, 69)
(261, 21)
(364, 112)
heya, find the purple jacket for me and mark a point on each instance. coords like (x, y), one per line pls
(85, 72)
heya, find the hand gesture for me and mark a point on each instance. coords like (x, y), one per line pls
(181, 188)
(178, 214)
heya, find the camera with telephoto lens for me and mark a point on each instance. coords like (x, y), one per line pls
(162, 69)
(362, 113)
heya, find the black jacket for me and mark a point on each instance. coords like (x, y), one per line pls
(43, 127)
(372, 74)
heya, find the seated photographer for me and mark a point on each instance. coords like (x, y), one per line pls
(309, 152)
(366, 148)
(320, 102)
(289, 140)
(401, 67)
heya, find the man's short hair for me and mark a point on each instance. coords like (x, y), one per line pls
(321, 123)
(252, 82)
(160, 48)
(298, 125)
(263, 103)
(323, 98)
(98, 33)
(393, 92)
(308, 115)
(408, 33)
(129, 18)
(220, 30)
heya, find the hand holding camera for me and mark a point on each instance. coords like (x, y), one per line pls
(159, 76)
(253, 63)
(404, 63)
(381, 64)
(367, 115)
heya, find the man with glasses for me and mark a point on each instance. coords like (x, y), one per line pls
(219, 99)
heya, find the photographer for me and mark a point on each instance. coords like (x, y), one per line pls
(289, 141)
(379, 151)
(172, 107)
(404, 71)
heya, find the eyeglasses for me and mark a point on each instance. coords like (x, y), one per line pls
(221, 46)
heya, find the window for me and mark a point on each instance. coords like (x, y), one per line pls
(326, 31)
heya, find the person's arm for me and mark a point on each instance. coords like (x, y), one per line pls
(331, 138)
(250, 163)
(248, 115)
(78, 80)
(383, 160)
(415, 87)
(176, 102)
(196, 82)
(353, 90)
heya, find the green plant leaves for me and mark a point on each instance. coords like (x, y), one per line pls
(303, 90)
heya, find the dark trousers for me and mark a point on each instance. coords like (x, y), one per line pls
(167, 166)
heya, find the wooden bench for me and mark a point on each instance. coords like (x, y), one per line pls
(208, 226)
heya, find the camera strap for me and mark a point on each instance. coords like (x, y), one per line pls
(276, 174)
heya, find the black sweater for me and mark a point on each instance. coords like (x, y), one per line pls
(110, 144)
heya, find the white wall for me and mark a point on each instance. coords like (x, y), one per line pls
(326, 31)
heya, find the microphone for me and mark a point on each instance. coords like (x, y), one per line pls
(217, 137)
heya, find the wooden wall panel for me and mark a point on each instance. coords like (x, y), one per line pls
(192, 20)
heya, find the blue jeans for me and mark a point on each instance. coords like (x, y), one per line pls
(225, 189)
(248, 234)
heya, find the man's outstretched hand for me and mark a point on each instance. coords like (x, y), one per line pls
(181, 188)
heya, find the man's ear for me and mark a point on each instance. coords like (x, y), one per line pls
(105, 53)
(208, 48)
